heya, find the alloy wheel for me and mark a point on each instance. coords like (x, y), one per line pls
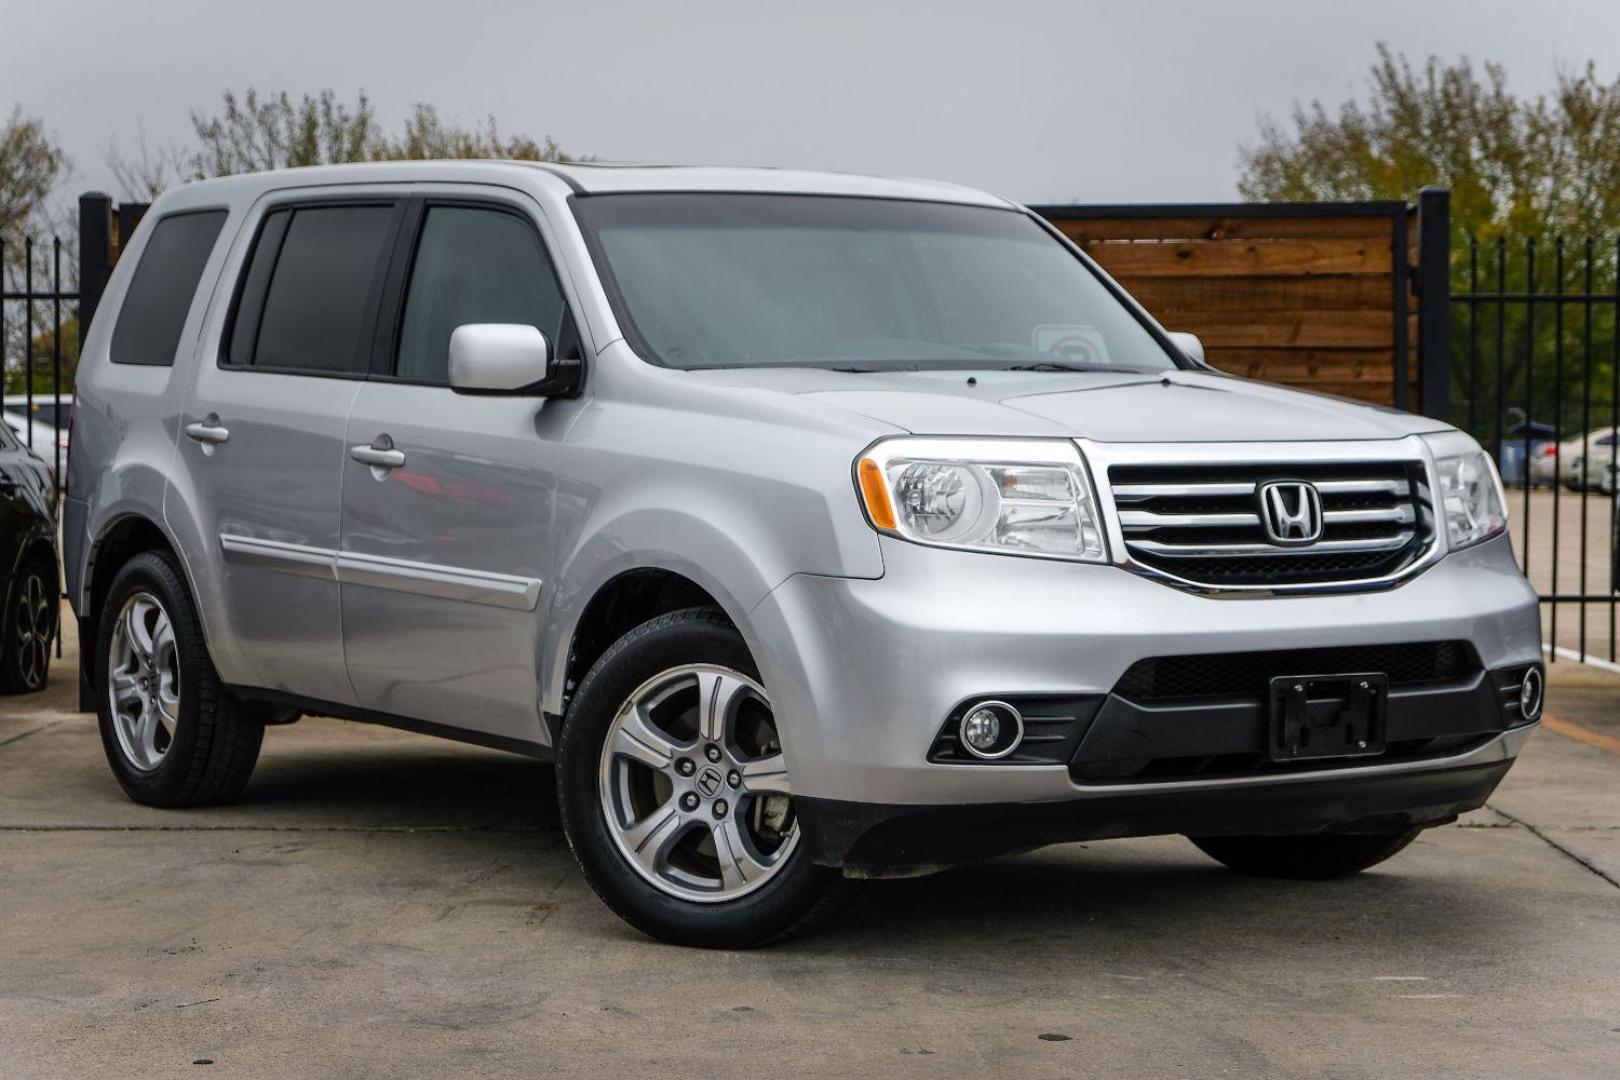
(34, 630)
(143, 681)
(694, 786)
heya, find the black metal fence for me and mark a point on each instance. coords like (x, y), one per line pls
(48, 293)
(47, 298)
(31, 331)
(1536, 378)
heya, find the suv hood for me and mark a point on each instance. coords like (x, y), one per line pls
(1177, 406)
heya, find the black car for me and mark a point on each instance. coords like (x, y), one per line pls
(28, 576)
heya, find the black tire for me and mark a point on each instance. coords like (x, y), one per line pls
(1304, 858)
(28, 626)
(800, 895)
(215, 744)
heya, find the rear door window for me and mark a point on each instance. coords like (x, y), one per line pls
(310, 290)
(154, 310)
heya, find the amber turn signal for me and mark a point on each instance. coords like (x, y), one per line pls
(876, 494)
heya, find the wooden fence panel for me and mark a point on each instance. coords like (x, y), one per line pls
(1313, 296)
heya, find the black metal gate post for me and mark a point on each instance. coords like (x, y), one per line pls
(1434, 303)
(95, 254)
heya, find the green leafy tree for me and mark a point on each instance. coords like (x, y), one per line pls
(1520, 169)
(32, 166)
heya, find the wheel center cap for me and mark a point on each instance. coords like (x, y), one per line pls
(709, 782)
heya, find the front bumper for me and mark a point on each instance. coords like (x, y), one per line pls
(864, 672)
(867, 835)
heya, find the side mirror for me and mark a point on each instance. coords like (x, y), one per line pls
(506, 358)
(1190, 346)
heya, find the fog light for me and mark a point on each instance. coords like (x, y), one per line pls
(1530, 694)
(982, 730)
(991, 729)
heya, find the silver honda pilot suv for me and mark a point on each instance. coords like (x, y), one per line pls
(817, 527)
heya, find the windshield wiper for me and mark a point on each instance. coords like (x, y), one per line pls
(1047, 365)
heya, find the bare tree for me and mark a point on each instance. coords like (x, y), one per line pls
(149, 171)
(275, 131)
(426, 136)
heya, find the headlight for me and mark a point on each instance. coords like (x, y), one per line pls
(1015, 496)
(1471, 495)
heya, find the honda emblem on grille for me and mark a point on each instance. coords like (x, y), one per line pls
(1291, 511)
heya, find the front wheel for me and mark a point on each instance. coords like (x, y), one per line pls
(675, 794)
(1304, 858)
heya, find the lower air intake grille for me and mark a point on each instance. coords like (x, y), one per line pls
(1249, 674)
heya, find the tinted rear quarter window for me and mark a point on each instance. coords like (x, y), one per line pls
(321, 264)
(154, 309)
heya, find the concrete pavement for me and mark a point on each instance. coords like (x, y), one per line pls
(386, 904)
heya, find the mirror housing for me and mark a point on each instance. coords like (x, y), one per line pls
(508, 358)
(1190, 346)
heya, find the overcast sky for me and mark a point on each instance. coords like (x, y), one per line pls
(1071, 100)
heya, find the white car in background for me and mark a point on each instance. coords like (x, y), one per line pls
(1598, 445)
(1598, 470)
(49, 431)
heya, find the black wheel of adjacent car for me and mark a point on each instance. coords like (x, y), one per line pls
(675, 794)
(173, 736)
(28, 627)
(1304, 858)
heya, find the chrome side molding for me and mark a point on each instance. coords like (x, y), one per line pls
(445, 582)
(288, 558)
(379, 572)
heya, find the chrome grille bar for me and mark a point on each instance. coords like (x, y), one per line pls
(1139, 520)
(1138, 492)
(1200, 522)
(1246, 550)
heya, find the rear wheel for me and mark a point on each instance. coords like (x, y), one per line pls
(28, 627)
(173, 736)
(1304, 858)
(675, 793)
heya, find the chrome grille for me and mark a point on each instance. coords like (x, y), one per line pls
(1202, 523)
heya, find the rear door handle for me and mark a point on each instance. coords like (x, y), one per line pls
(208, 431)
(380, 454)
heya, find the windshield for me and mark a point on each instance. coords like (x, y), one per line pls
(706, 280)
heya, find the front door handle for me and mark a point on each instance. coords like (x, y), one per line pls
(208, 430)
(380, 454)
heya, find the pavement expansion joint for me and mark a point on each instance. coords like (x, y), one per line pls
(1560, 848)
(21, 735)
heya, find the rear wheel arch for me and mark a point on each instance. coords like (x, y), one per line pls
(121, 540)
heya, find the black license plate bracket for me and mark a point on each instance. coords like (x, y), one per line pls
(1327, 716)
